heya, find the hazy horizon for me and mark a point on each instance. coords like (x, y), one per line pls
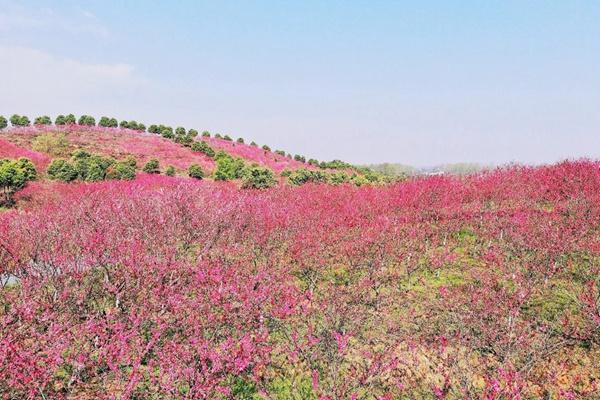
(366, 82)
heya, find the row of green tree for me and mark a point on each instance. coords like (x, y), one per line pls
(302, 175)
(179, 134)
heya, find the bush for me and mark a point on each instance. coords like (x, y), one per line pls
(62, 170)
(228, 138)
(166, 132)
(104, 122)
(266, 148)
(91, 167)
(338, 178)
(300, 158)
(87, 120)
(170, 171)
(3, 122)
(14, 174)
(108, 122)
(240, 140)
(256, 177)
(122, 170)
(228, 167)
(253, 144)
(60, 120)
(218, 136)
(335, 164)
(280, 152)
(152, 167)
(302, 176)
(359, 180)
(184, 140)
(153, 129)
(19, 120)
(206, 134)
(70, 119)
(54, 143)
(180, 131)
(195, 171)
(28, 169)
(43, 120)
(203, 147)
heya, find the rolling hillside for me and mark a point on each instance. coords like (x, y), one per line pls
(122, 278)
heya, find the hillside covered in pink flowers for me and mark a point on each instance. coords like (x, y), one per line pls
(144, 265)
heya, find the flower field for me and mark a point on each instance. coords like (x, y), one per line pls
(481, 287)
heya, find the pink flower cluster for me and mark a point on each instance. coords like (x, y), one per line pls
(12, 151)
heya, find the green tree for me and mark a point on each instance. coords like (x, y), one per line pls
(170, 171)
(19, 120)
(122, 170)
(3, 122)
(192, 133)
(266, 148)
(206, 134)
(62, 170)
(60, 120)
(166, 132)
(91, 167)
(256, 177)
(227, 137)
(303, 175)
(180, 131)
(87, 120)
(195, 171)
(104, 122)
(152, 167)
(14, 174)
(70, 119)
(203, 147)
(43, 120)
(228, 167)
(28, 169)
(337, 178)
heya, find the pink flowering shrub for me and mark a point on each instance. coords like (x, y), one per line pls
(12, 151)
(483, 287)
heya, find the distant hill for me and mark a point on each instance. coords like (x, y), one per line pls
(400, 170)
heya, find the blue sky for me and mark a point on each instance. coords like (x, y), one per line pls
(419, 83)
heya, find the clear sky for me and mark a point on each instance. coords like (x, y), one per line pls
(421, 82)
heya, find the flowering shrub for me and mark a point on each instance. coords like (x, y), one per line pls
(12, 151)
(166, 287)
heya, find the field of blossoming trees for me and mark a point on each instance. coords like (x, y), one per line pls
(170, 287)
